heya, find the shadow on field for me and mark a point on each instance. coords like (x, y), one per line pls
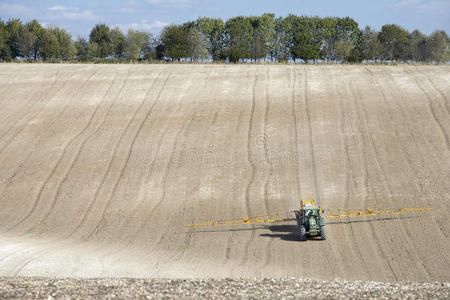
(290, 232)
(283, 232)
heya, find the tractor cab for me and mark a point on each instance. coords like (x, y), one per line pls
(310, 220)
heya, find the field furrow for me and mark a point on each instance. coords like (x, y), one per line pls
(103, 165)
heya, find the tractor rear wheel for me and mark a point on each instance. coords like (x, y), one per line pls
(302, 233)
(323, 232)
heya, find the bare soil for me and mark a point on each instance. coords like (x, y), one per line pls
(103, 165)
(244, 288)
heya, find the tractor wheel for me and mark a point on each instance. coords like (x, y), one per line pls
(302, 233)
(323, 233)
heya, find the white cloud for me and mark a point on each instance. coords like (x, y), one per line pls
(171, 3)
(425, 6)
(143, 25)
(57, 8)
(12, 10)
(70, 13)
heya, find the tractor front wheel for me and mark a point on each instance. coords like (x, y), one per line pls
(302, 233)
(323, 233)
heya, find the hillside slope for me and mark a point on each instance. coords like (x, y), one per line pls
(103, 165)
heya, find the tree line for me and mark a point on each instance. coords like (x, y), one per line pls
(239, 39)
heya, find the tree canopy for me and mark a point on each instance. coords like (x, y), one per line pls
(238, 39)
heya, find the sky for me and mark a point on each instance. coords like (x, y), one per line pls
(79, 16)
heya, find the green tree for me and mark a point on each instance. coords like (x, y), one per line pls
(370, 44)
(355, 55)
(213, 31)
(329, 35)
(238, 37)
(417, 46)
(57, 44)
(306, 45)
(258, 46)
(118, 43)
(137, 44)
(159, 50)
(38, 31)
(437, 47)
(50, 45)
(93, 50)
(395, 41)
(13, 27)
(5, 52)
(173, 39)
(26, 42)
(82, 49)
(283, 38)
(263, 36)
(343, 49)
(101, 36)
(348, 38)
(196, 49)
(67, 49)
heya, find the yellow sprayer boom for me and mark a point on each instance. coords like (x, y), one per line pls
(310, 218)
(338, 213)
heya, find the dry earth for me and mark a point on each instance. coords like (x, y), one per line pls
(249, 288)
(103, 165)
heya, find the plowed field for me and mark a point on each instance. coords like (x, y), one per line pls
(101, 166)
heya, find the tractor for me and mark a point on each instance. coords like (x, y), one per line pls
(310, 220)
(310, 217)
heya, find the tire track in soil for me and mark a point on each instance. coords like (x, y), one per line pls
(381, 172)
(363, 133)
(266, 151)
(350, 236)
(294, 102)
(417, 146)
(109, 198)
(345, 143)
(66, 242)
(21, 128)
(133, 213)
(294, 118)
(313, 159)
(252, 176)
(108, 169)
(160, 241)
(444, 97)
(26, 104)
(310, 136)
(50, 246)
(364, 171)
(407, 161)
(436, 196)
(44, 185)
(431, 172)
(433, 112)
(69, 145)
(268, 255)
(184, 126)
(5, 102)
(188, 239)
(6, 84)
(374, 149)
(120, 177)
(25, 161)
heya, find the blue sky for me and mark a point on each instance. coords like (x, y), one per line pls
(79, 16)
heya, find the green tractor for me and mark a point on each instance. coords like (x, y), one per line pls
(310, 221)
